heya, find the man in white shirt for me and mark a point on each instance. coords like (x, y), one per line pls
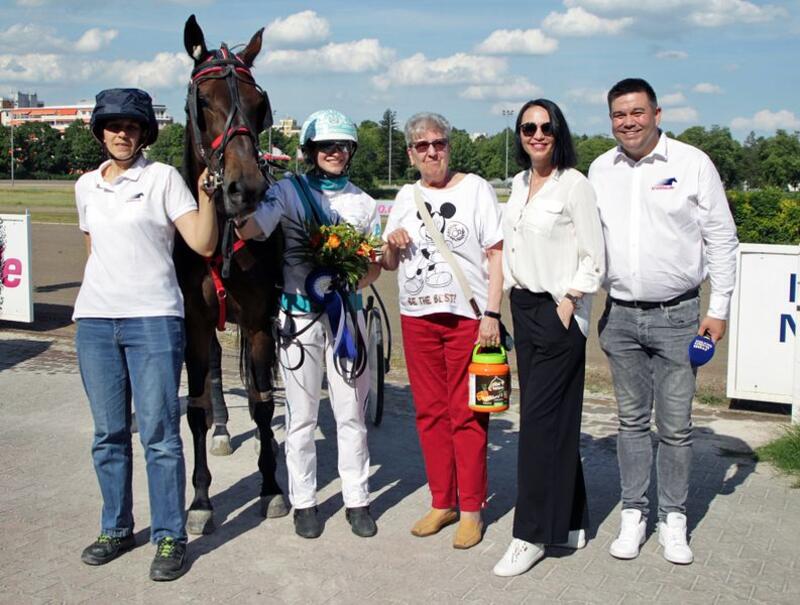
(667, 227)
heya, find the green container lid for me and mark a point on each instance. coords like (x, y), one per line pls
(490, 355)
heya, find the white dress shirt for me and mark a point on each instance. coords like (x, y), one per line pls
(667, 225)
(553, 241)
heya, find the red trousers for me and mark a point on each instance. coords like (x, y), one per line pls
(438, 351)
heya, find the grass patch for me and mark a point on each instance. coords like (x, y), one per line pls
(27, 197)
(784, 453)
(707, 396)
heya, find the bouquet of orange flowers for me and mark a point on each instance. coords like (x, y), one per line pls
(342, 248)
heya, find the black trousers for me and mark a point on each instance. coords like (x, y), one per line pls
(551, 494)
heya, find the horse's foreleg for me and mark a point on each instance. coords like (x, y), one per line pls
(220, 438)
(200, 516)
(262, 407)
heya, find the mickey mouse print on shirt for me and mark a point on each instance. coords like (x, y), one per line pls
(431, 268)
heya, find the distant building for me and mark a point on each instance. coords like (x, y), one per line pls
(288, 126)
(26, 107)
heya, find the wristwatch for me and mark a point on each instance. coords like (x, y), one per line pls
(576, 301)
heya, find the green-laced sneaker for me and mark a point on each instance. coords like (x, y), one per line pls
(170, 560)
(106, 548)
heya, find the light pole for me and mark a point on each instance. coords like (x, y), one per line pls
(506, 114)
(390, 150)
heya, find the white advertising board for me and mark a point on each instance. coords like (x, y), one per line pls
(762, 362)
(16, 285)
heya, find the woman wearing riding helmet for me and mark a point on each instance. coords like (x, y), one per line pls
(130, 334)
(328, 140)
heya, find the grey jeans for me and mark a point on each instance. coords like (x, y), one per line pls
(648, 354)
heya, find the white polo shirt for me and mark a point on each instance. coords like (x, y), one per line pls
(666, 223)
(553, 241)
(130, 272)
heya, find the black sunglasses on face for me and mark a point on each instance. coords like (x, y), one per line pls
(422, 146)
(330, 147)
(529, 129)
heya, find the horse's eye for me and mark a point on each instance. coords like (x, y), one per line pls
(202, 102)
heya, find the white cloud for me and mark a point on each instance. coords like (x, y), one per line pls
(518, 88)
(701, 13)
(517, 42)
(706, 88)
(165, 70)
(676, 98)
(43, 39)
(768, 120)
(348, 57)
(299, 30)
(715, 13)
(578, 22)
(672, 54)
(460, 68)
(592, 96)
(94, 39)
(681, 115)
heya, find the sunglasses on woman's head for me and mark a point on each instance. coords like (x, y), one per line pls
(334, 146)
(422, 146)
(529, 129)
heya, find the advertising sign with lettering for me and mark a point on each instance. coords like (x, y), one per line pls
(16, 285)
(763, 324)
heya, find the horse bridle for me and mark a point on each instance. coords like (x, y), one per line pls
(224, 65)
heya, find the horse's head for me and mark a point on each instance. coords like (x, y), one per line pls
(226, 110)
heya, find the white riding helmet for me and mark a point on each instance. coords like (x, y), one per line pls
(328, 125)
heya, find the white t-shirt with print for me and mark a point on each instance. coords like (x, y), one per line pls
(468, 217)
(130, 272)
(282, 205)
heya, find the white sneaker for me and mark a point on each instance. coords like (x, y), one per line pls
(519, 558)
(672, 536)
(576, 540)
(631, 535)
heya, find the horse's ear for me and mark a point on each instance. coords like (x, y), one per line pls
(249, 54)
(193, 40)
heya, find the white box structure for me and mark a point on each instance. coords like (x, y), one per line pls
(763, 354)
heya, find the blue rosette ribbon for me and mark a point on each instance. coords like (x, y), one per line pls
(324, 289)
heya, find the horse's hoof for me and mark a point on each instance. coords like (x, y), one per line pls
(200, 522)
(221, 445)
(274, 506)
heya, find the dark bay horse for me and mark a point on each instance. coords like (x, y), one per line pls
(225, 111)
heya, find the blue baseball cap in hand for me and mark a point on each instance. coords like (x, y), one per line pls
(701, 350)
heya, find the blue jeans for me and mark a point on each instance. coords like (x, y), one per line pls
(138, 358)
(648, 354)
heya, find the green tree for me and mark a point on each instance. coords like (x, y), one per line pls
(5, 151)
(168, 148)
(368, 160)
(492, 156)
(463, 152)
(41, 150)
(83, 151)
(588, 149)
(750, 173)
(780, 160)
(399, 158)
(721, 147)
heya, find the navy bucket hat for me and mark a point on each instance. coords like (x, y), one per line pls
(125, 103)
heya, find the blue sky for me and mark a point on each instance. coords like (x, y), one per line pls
(727, 62)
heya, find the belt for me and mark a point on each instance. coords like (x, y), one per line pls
(647, 305)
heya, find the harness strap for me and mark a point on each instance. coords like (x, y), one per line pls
(214, 263)
(231, 132)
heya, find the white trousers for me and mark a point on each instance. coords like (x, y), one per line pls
(348, 402)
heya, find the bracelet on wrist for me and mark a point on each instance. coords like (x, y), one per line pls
(492, 314)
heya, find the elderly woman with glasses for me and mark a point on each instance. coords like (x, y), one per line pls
(440, 324)
(553, 262)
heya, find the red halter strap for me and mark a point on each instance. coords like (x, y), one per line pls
(214, 263)
(232, 132)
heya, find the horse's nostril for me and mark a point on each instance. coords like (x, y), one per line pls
(234, 189)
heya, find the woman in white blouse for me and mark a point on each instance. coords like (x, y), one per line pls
(553, 260)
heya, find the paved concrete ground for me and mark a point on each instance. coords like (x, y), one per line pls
(743, 517)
